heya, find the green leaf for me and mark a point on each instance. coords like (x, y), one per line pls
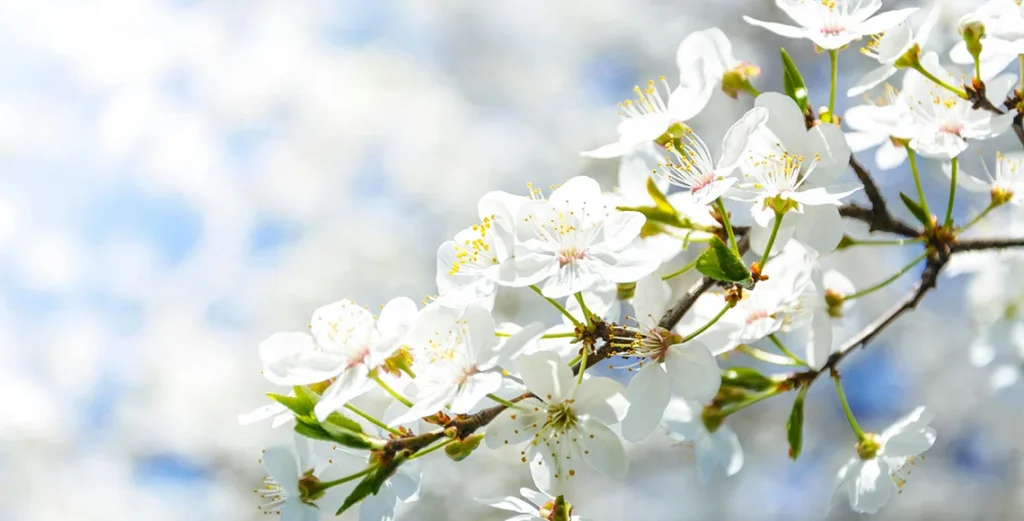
(721, 263)
(347, 432)
(795, 425)
(655, 214)
(746, 378)
(371, 484)
(297, 404)
(312, 432)
(916, 209)
(793, 82)
(660, 200)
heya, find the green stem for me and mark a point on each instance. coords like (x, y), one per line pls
(834, 56)
(373, 420)
(771, 239)
(681, 271)
(387, 388)
(728, 226)
(846, 409)
(324, 485)
(979, 217)
(917, 178)
(977, 67)
(952, 194)
(576, 360)
(546, 336)
(924, 72)
(749, 88)
(749, 401)
(501, 400)
(432, 448)
(887, 281)
(1022, 73)
(558, 306)
(764, 356)
(782, 347)
(705, 327)
(586, 311)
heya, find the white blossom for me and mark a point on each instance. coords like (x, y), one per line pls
(831, 24)
(287, 466)
(538, 506)
(875, 123)
(1006, 184)
(890, 46)
(647, 118)
(706, 63)
(713, 447)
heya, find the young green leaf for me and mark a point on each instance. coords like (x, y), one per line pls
(746, 378)
(660, 200)
(721, 263)
(916, 209)
(371, 484)
(793, 82)
(795, 425)
(297, 404)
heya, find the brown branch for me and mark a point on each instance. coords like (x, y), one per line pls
(986, 244)
(879, 222)
(878, 206)
(1018, 127)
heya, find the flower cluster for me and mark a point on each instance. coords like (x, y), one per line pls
(741, 232)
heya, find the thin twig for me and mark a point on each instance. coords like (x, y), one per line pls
(878, 222)
(986, 244)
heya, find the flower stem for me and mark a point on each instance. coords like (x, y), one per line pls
(373, 420)
(394, 394)
(833, 54)
(502, 334)
(846, 409)
(917, 178)
(428, 450)
(924, 72)
(764, 356)
(575, 360)
(782, 347)
(1022, 73)
(952, 194)
(771, 239)
(977, 67)
(884, 242)
(886, 282)
(979, 217)
(681, 271)
(705, 327)
(500, 400)
(324, 485)
(558, 306)
(583, 365)
(728, 226)
(751, 400)
(586, 311)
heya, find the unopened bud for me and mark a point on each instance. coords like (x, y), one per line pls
(738, 79)
(972, 29)
(459, 450)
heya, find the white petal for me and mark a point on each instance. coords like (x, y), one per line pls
(871, 80)
(650, 299)
(889, 156)
(397, 317)
(788, 31)
(474, 389)
(616, 149)
(603, 449)
(293, 359)
(683, 418)
(785, 119)
(620, 228)
(342, 325)
(281, 465)
(603, 399)
(379, 507)
(547, 377)
(820, 228)
(648, 393)
(350, 384)
(869, 487)
(861, 141)
(513, 426)
(535, 497)
(481, 342)
(884, 21)
(512, 504)
(737, 139)
(728, 449)
(693, 371)
(262, 413)
(938, 145)
(543, 467)
(299, 511)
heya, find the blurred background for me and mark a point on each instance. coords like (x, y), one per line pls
(183, 178)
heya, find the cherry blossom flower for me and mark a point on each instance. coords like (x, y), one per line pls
(566, 424)
(647, 118)
(537, 507)
(692, 167)
(943, 121)
(1003, 42)
(402, 486)
(293, 469)
(454, 354)
(881, 463)
(889, 47)
(1006, 185)
(831, 24)
(706, 63)
(667, 363)
(793, 171)
(575, 241)
(713, 446)
(875, 123)
(469, 267)
(345, 343)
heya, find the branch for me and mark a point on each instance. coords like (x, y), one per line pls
(879, 222)
(986, 244)
(1018, 127)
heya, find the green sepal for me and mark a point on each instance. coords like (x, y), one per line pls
(793, 82)
(916, 209)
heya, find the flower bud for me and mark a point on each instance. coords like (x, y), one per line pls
(459, 450)
(738, 79)
(972, 29)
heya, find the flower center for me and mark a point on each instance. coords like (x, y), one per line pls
(757, 315)
(273, 496)
(952, 128)
(569, 255)
(561, 417)
(648, 101)
(701, 182)
(477, 253)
